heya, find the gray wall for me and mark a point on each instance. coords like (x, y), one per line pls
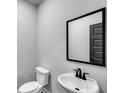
(26, 42)
(52, 17)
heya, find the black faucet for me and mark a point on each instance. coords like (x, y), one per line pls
(79, 74)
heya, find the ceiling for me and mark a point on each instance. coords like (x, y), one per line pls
(34, 2)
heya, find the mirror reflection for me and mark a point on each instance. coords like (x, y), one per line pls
(86, 38)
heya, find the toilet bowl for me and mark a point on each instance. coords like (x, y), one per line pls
(30, 87)
(36, 86)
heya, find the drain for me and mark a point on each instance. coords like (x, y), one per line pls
(77, 89)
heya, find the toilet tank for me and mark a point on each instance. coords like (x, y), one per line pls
(42, 75)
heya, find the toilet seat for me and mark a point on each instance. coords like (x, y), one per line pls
(29, 87)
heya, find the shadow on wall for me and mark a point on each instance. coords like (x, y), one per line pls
(48, 87)
(20, 81)
(101, 90)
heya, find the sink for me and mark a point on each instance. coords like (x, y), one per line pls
(76, 85)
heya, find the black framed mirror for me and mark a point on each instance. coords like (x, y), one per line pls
(86, 38)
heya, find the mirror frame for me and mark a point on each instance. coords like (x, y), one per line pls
(103, 10)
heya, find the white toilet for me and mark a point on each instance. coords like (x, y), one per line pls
(42, 76)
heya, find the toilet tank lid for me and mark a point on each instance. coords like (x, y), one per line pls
(42, 70)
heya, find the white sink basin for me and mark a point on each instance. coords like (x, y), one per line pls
(76, 85)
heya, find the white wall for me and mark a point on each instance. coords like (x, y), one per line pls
(52, 17)
(79, 36)
(26, 42)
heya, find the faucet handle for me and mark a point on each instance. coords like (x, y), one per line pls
(75, 70)
(86, 73)
(84, 77)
